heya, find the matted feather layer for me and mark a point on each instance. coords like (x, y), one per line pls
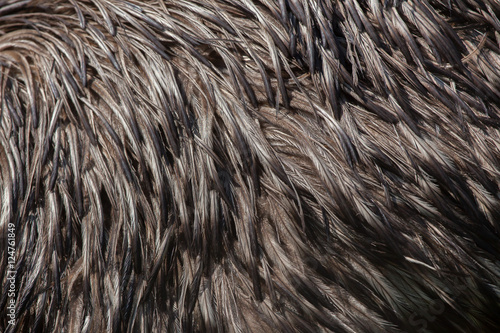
(251, 166)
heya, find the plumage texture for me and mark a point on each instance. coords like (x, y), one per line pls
(251, 166)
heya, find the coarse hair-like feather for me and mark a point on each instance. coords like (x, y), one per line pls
(250, 166)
